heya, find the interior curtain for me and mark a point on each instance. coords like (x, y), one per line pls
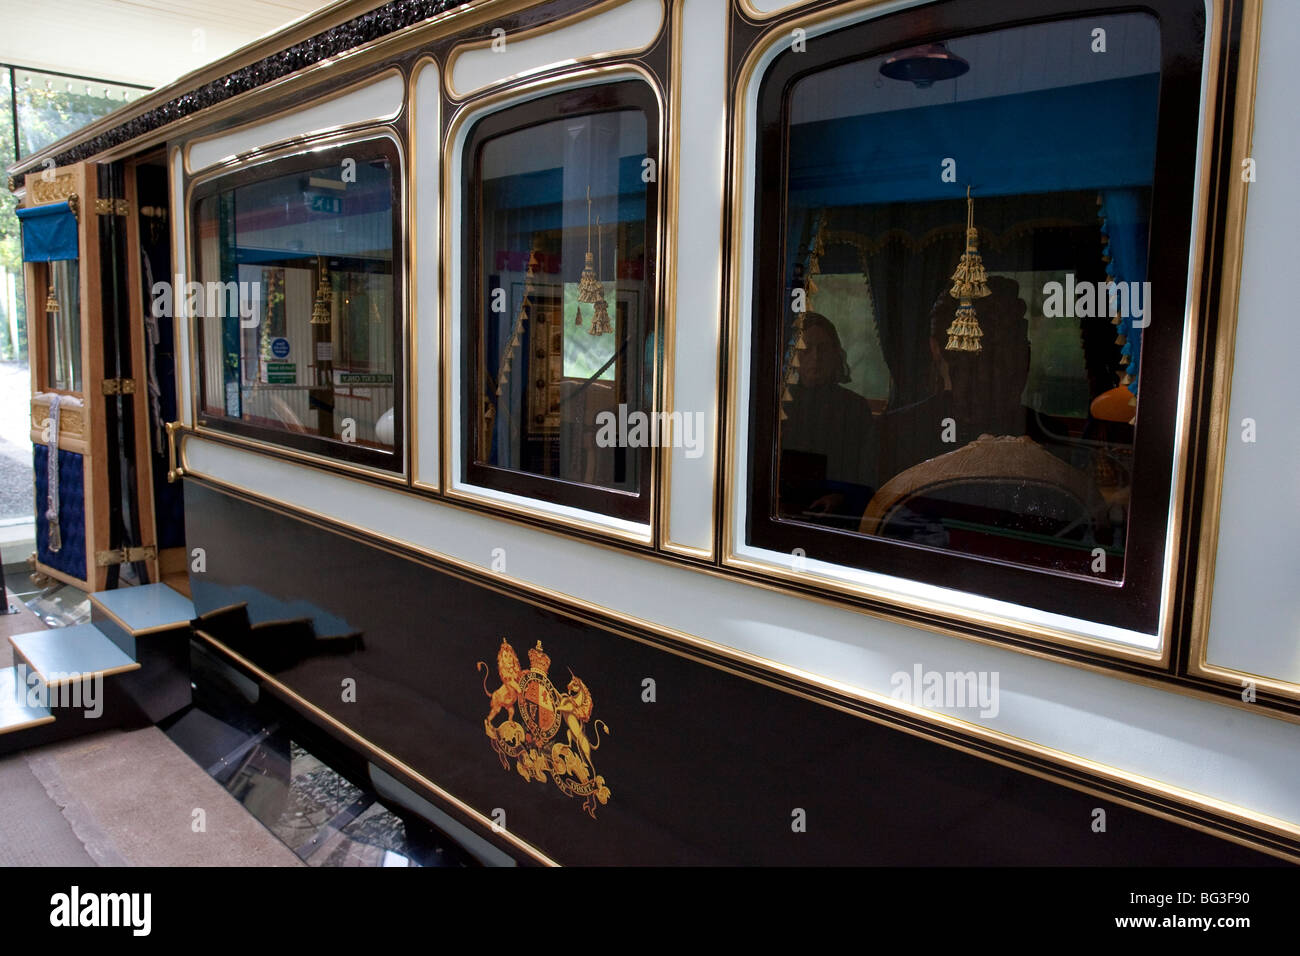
(1124, 223)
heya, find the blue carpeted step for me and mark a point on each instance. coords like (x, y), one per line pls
(16, 712)
(65, 654)
(125, 614)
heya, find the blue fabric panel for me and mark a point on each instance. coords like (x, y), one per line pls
(1126, 231)
(71, 558)
(49, 233)
(1088, 136)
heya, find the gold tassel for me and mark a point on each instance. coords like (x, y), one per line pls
(600, 324)
(969, 282)
(51, 300)
(577, 316)
(589, 288)
(320, 312)
(965, 333)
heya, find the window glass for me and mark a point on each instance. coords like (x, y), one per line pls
(50, 106)
(63, 327)
(959, 301)
(956, 410)
(299, 323)
(559, 309)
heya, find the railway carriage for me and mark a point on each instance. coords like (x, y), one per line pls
(713, 431)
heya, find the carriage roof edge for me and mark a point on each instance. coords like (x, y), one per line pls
(335, 29)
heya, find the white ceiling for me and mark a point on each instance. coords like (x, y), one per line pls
(148, 42)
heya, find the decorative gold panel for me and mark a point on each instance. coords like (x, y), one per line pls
(41, 190)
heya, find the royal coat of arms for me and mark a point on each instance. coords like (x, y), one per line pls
(532, 742)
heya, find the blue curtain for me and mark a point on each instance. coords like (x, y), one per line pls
(1089, 136)
(49, 232)
(1124, 223)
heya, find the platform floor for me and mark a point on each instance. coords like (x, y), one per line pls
(124, 798)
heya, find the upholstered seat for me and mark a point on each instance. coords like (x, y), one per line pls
(1003, 483)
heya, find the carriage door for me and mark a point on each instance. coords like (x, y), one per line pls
(89, 525)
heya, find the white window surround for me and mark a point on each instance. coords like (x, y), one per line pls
(455, 411)
(873, 583)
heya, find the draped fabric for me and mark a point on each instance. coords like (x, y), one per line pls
(49, 232)
(1124, 223)
(1033, 142)
(54, 538)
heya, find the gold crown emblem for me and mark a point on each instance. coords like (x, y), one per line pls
(538, 659)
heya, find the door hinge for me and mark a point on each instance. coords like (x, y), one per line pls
(104, 559)
(112, 207)
(119, 386)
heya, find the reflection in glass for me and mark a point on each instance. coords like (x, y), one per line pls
(51, 106)
(563, 296)
(300, 335)
(63, 327)
(1004, 444)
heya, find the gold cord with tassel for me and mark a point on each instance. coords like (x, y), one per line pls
(51, 298)
(600, 324)
(969, 282)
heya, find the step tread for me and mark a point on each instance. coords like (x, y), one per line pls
(145, 607)
(15, 714)
(75, 652)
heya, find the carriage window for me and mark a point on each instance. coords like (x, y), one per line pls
(558, 310)
(960, 313)
(299, 316)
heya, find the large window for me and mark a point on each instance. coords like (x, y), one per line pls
(972, 247)
(558, 313)
(300, 318)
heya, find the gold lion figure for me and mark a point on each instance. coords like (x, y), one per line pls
(505, 696)
(576, 707)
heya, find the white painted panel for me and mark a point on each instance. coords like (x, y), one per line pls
(1203, 747)
(1255, 619)
(698, 307)
(769, 7)
(380, 100)
(426, 226)
(627, 27)
(180, 217)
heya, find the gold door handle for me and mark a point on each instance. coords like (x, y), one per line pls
(174, 471)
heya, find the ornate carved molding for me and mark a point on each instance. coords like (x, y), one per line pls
(41, 190)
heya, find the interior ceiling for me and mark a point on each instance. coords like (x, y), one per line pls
(146, 42)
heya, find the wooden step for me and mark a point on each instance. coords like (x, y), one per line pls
(65, 654)
(15, 713)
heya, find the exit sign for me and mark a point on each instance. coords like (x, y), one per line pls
(320, 202)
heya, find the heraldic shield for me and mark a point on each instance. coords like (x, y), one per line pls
(534, 742)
